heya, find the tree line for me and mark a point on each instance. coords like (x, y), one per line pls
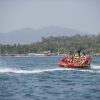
(62, 44)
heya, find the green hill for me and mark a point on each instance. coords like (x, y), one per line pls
(88, 43)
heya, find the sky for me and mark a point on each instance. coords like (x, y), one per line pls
(83, 15)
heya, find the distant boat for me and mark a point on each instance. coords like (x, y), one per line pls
(39, 54)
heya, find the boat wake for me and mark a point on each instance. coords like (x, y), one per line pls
(94, 69)
(11, 70)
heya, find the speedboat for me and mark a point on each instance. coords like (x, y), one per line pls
(71, 61)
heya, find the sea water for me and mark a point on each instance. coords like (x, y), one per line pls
(40, 78)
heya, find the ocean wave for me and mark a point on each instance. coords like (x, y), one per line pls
(20, 71)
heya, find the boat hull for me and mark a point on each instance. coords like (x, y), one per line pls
(64, 65)
(80, 67)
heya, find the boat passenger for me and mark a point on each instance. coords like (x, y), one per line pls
(83, 57)
(76, 58)
(71, 58)
(79, 52)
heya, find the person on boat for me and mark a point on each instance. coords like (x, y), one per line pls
(68, 58)
(72, 58)
(79, 52)
(64, 59)
(83, 57)
(77, 56)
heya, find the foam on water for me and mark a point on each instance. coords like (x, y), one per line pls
(11, 70)
(94, 69)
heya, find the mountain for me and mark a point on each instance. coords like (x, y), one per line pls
(56, 31)
(29, 35)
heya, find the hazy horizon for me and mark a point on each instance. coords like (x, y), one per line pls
(82, 15)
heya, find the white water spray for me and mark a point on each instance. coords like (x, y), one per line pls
(94, 69)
